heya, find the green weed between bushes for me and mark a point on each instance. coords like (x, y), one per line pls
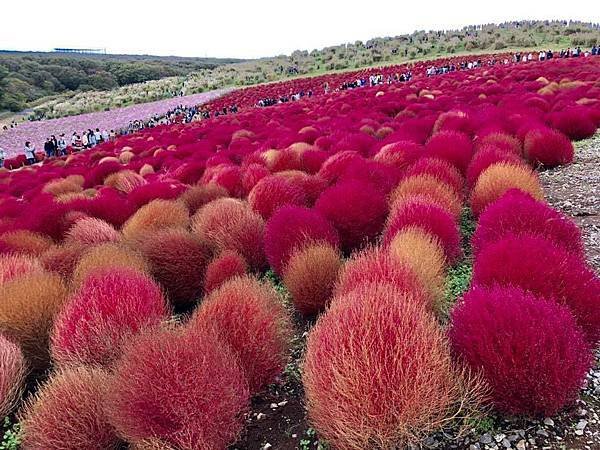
(11, 439)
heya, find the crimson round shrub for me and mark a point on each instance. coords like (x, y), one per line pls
(530, 350)
(377, 371)
(291, 228)
(517, 212)
(502, 141)
(576, 123)
(399, 154)
(432, 218)
(228, 264)
(183, 389)
(484, 158)
(67, 413)
(356, 209)
(91, 231)
(547, 270)
(440, 169)
(107, 310)
(62, 259)
(251, 319)
(452, 146)
(12, 375)
(13, 266)
(230, 224)
(548, 147)
(198, 196)
(178, 261)
(252, 174)
(336, 164)
(273, 192)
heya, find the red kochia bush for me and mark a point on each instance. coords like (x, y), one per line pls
(440, 169)
(398, 154)
(12, 374)
(452, 146)
(529, 349)
(198, 196)
(431, 218)
(251, 319)
(62, 259)
(548, 147)
(356, 209)
(377, 372)
(14, 266)
(517, 212)
(67, 413)
(91, 231)
(272, 192)
(547, 270)
(576, 123)
(375, 266)
(230, 224)
(228, 264)
(110, 307)
(484, 158)
(178, 261)
(184, 389)
(336, 164)
(292, 227)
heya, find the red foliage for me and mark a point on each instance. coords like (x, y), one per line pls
(547, 270)
(529, 349)
(548, 147)
(12, 375)
(377, 372)
(356, 209)
(178, 261)
(67, 413)
(452, 146)
(432, 218)
(291, 228)
(228, 264)
(185, 389)
(399, 154)
(15, 266)
(107, 310)
(336, 164)
(249, 317)
(273, 192)
(251, 175)
(440, 169)
(517, 212)
(576, 123)
(91, 231)
(484, 158)
(198, 196)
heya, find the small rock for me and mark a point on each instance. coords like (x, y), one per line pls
(283, 403)
(521, 445)
(266, 446)
(486, 438)
(273, 405)
(506, 443)
(294, 436)
(260, 416)
(548, 421)
(475, 446)
(542, 432)
(582, 412)
(581, 424)
(499, 437)
(579, 432)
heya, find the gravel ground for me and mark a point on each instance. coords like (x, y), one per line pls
(278, 417)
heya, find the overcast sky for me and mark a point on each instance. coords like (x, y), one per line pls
(248, 29)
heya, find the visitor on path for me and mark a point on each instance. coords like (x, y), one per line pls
(61, 145)
(29, 151)
(2, 157)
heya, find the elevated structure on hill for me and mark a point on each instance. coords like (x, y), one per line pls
(94, 51)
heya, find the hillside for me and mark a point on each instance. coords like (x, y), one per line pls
(29, 76)
(418, 45)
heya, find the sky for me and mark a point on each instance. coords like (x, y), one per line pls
(250, 29)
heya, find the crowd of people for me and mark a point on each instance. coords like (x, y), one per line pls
(55, 147)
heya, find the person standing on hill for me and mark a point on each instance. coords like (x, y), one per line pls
(2, 157)
(29, 151)
(61, 145)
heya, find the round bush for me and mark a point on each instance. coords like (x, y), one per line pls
(538, 265)
(517, 212)
(499, 178)
(484, 158)
(291, 228)
(273, 192)
(180, 388)
(249, 317)
(439, 169)
(310, 276)
(377, 371)
(424, 254)
(24, 242)
(398, 154)
(107, 310)
(108, 256)
(12, 375)
(356, 209)
(548, 147)
(91, 231)
(157, 215)
(198, 196)
(62, 259)
(230, 224)
(430, 217)
(27, 311)
(431, 190)
(178, 261)
(501, 141)
(576, 123)
(66, 413)
(530, 350)
(452, 146)
(228, 264)
(15, 266)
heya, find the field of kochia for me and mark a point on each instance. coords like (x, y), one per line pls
(151, 286)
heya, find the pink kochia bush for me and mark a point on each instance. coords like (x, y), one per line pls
(484, 158)
(251, 319)
(107, 310)
(272, 192)
(432, 218)
(184, 389)
(547, 270)
(291, 228)
(14, 266)
(356, 209)
(91, 231)
(67, 413)
(228, 264)
(548, 147)
(517, 212)
(12, 374)
(529, 349)
(452, 146)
